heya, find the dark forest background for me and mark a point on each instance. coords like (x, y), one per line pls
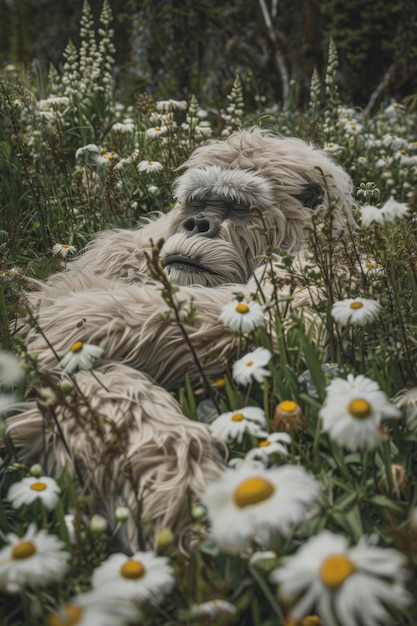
(171, 48)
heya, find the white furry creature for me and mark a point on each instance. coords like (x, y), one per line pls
(128, 439)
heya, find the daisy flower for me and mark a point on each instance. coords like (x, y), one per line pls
(345, 585)
(36, 559)
(233, 425)
(81, 356)
(353, 412)
(393, 210)
(90, 608)
(166, 106)
(142, 576)
(369, 266)
(355, 311)
(157, 131)
(123, 127)
(63, 249)
(33, 488)
(251, 367)
(252, 502)
(371, 215)
(242, 316)
(11, 372)
(149, 166)
(275, 443)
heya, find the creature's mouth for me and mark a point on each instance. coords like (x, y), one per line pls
(184, 263)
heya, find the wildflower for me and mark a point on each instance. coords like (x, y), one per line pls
(85, 151)
(35, 559)
(233, 425)
(241, 316)
(142, 576)
(369, 266)
(289, 416)
(122, 513)
(157, 131)
(393, 210)
(332, 147)
(251, 366)
(98, 524)
(11, 372)
(63, 249)
(166, 106)
(69, 519)
(353, 128)
(33, 488)
(252, 502)
(407, 401)
(353, 412)
(90, 608)
(371, 215)
(355, 311)
(80, 356)
(346, 585)
(275, 443)
(123, 127)
(149, 166)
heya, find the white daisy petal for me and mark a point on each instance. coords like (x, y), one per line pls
(251, 503)
(33, 488)
(344, 585)
(353, 411)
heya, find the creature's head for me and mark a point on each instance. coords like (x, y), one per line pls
(245, 195)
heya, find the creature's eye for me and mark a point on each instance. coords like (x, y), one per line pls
(311, 195)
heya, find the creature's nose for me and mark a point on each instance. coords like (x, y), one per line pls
(202, 225)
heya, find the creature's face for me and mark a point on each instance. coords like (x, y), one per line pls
(224, 222)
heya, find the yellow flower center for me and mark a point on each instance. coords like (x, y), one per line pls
(77, 346)
(23, 550)
(359, 409)
(252, 491)
(335, 570)
(288, 406)
(242, 308)
(237, 417)
(220, 383)
(249, 363)
(356, 305)
(38, 486)
(72, 616)
(264, 443)
(369, 265)
(132, 570)
(65, 245)
(150, 163)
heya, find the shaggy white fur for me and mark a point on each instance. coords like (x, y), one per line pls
(129, 441)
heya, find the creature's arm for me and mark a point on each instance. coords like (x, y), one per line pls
(133, 324)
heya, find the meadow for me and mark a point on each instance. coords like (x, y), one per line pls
(333, 411)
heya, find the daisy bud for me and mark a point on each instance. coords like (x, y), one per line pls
(163, 537)
(66, 387)
(122, 513)
(289, 417)
(197, 512)
(98, 524)
(36, 470)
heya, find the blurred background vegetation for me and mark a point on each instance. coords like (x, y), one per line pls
(171, 48)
